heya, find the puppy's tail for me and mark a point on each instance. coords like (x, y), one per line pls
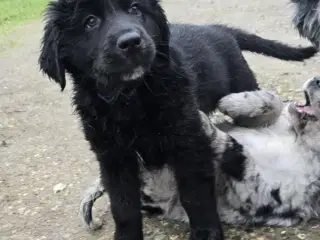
(253, 43)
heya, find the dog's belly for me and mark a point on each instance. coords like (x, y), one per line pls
(279, 173)
(276, 155)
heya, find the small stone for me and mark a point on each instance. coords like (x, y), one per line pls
(4, 144)
(59, 188)
(33, 213)
(164, 224)
(283, 232)
(27, 212)
(285, 74)
(301, 236)
(174, 237)
(42, 238)
(149, 233)
(271, 230)
(21, 210)
(55, 208)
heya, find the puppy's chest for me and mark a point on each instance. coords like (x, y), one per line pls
(133, 126)
(152, 146)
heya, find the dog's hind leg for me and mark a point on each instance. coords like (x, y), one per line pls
(252, 109)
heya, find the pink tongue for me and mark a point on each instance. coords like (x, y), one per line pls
(305, 109)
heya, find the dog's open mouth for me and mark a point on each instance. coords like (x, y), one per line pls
(305, 110)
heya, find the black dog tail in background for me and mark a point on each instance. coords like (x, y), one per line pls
(271, 48)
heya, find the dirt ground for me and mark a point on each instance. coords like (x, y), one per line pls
(41, 145)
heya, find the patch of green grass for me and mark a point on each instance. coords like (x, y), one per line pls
(13, 12)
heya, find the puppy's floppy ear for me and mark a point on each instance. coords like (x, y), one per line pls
(162, 22)
(49, 60)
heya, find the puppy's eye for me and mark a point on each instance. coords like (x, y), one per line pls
(91, 22)
(134, 10)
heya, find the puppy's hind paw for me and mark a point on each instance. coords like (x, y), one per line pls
(94, 192)
(256, 108)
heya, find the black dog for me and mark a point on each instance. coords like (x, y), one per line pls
(138, 86)
(307, 19)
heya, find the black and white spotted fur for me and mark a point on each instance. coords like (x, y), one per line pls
(275, 180)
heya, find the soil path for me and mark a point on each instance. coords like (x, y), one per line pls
(41, 144)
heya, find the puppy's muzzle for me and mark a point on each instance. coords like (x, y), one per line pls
(312, 83)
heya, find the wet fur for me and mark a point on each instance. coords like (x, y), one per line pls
(150, 109)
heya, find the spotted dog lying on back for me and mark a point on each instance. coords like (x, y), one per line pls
(277, 182)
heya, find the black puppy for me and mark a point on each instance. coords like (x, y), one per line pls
(307, 19)
(138, 86)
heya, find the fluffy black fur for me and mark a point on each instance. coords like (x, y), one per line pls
(138, 86)
(307, 19)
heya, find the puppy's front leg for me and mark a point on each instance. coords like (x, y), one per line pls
(194, 173)
(119, 174)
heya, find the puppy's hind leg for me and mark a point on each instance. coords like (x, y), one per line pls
(92, 193)
(252, 109)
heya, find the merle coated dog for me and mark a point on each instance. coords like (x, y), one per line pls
(277, 184)
(138, 85)
(307, 19)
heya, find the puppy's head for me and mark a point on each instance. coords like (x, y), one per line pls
(102, 40)
(305, 118)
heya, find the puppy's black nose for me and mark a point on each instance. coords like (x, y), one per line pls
(129, 40)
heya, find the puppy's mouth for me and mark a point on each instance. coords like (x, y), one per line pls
(305, 110)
